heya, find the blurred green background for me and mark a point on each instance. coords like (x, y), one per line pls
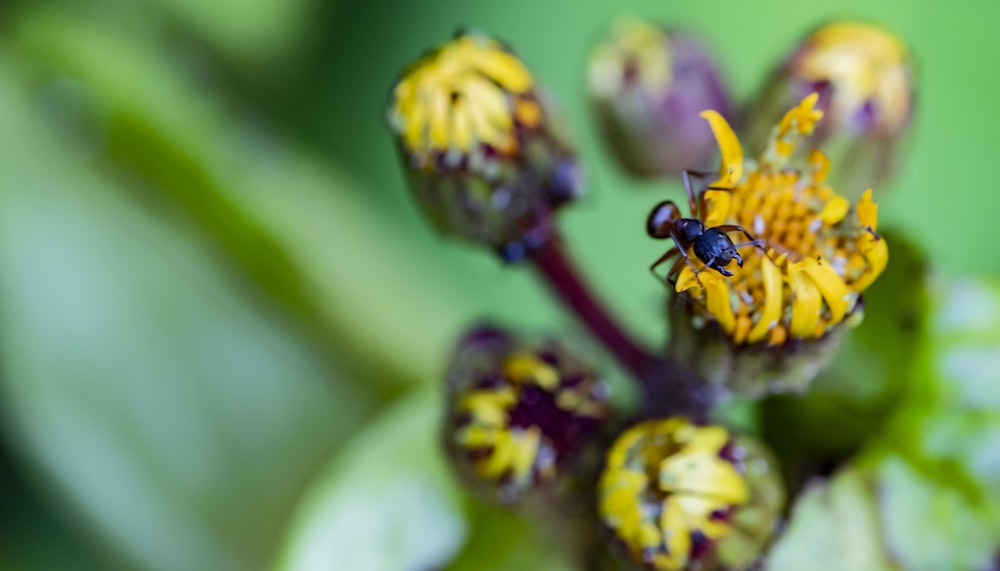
(221, 319)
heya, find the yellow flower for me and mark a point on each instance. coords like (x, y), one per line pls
(468, 95)
(822, 252)
(667, 487)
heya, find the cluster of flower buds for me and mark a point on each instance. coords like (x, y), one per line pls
(866, 84)
(527, 420)
(676, 495)
(481, 145)
(520, 415)
(773, 323)
(648, 84)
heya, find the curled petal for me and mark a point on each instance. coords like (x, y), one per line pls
(835, 209)
(729, 146)
(876, 253)
(527, 367)
(806, 305)
(820, 165)
(718, 304)
(830, 285)
(772, 300)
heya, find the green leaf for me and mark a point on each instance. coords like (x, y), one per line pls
(387, 501)
(834, 526)
(930, 526)
(157, 405)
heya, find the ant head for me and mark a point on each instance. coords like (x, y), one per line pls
(661, 219)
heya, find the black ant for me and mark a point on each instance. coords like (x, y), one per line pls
(710, 245)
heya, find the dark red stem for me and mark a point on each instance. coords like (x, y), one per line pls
(670, 387)
(565, 282)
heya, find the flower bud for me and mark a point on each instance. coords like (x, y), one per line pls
(807, 254)
(867, 90)
(647, 85)
(520, 416)
(480, 146)
(676, 495)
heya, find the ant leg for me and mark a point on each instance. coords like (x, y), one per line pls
(760, 243)
(735, 228)
(697, 207)
(670, 254)
(674, 272)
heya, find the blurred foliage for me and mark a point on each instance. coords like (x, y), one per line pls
(211, 280)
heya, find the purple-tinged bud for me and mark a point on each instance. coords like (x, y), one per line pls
(648, 84)
(483, 153)
(521, 416)
(867, 91)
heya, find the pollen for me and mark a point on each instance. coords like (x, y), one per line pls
(468, 96)
(821, 251)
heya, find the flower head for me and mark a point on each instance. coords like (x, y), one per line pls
(672, 492)
(822, 251)
(802, 288)
(519, 414)
(647, 85)
(480, 146)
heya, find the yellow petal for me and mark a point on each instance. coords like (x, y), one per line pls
(440, 110)
(505, 69)
(526, 368)
(702, 473)
(688, 279)
(676, 525)
(876, 253)
(476, 436)
(718, 304)
(806, 305)
(773, 298)
(488, 407)
(524, 450)
(719, 204)
(497, 463)
(830, 285)
(461, 138)
(820, 165)
(868, 211)
(834, 210)
(729, 146)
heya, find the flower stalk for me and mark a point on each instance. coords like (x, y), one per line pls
(672, 388)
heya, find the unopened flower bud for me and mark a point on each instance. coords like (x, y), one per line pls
(806, 255)
(867, 90)
(647, 85)
(520, 416)
(680, 496)
(480, 146)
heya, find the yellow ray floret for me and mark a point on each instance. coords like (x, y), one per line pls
(468, 92)
(821, 251)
